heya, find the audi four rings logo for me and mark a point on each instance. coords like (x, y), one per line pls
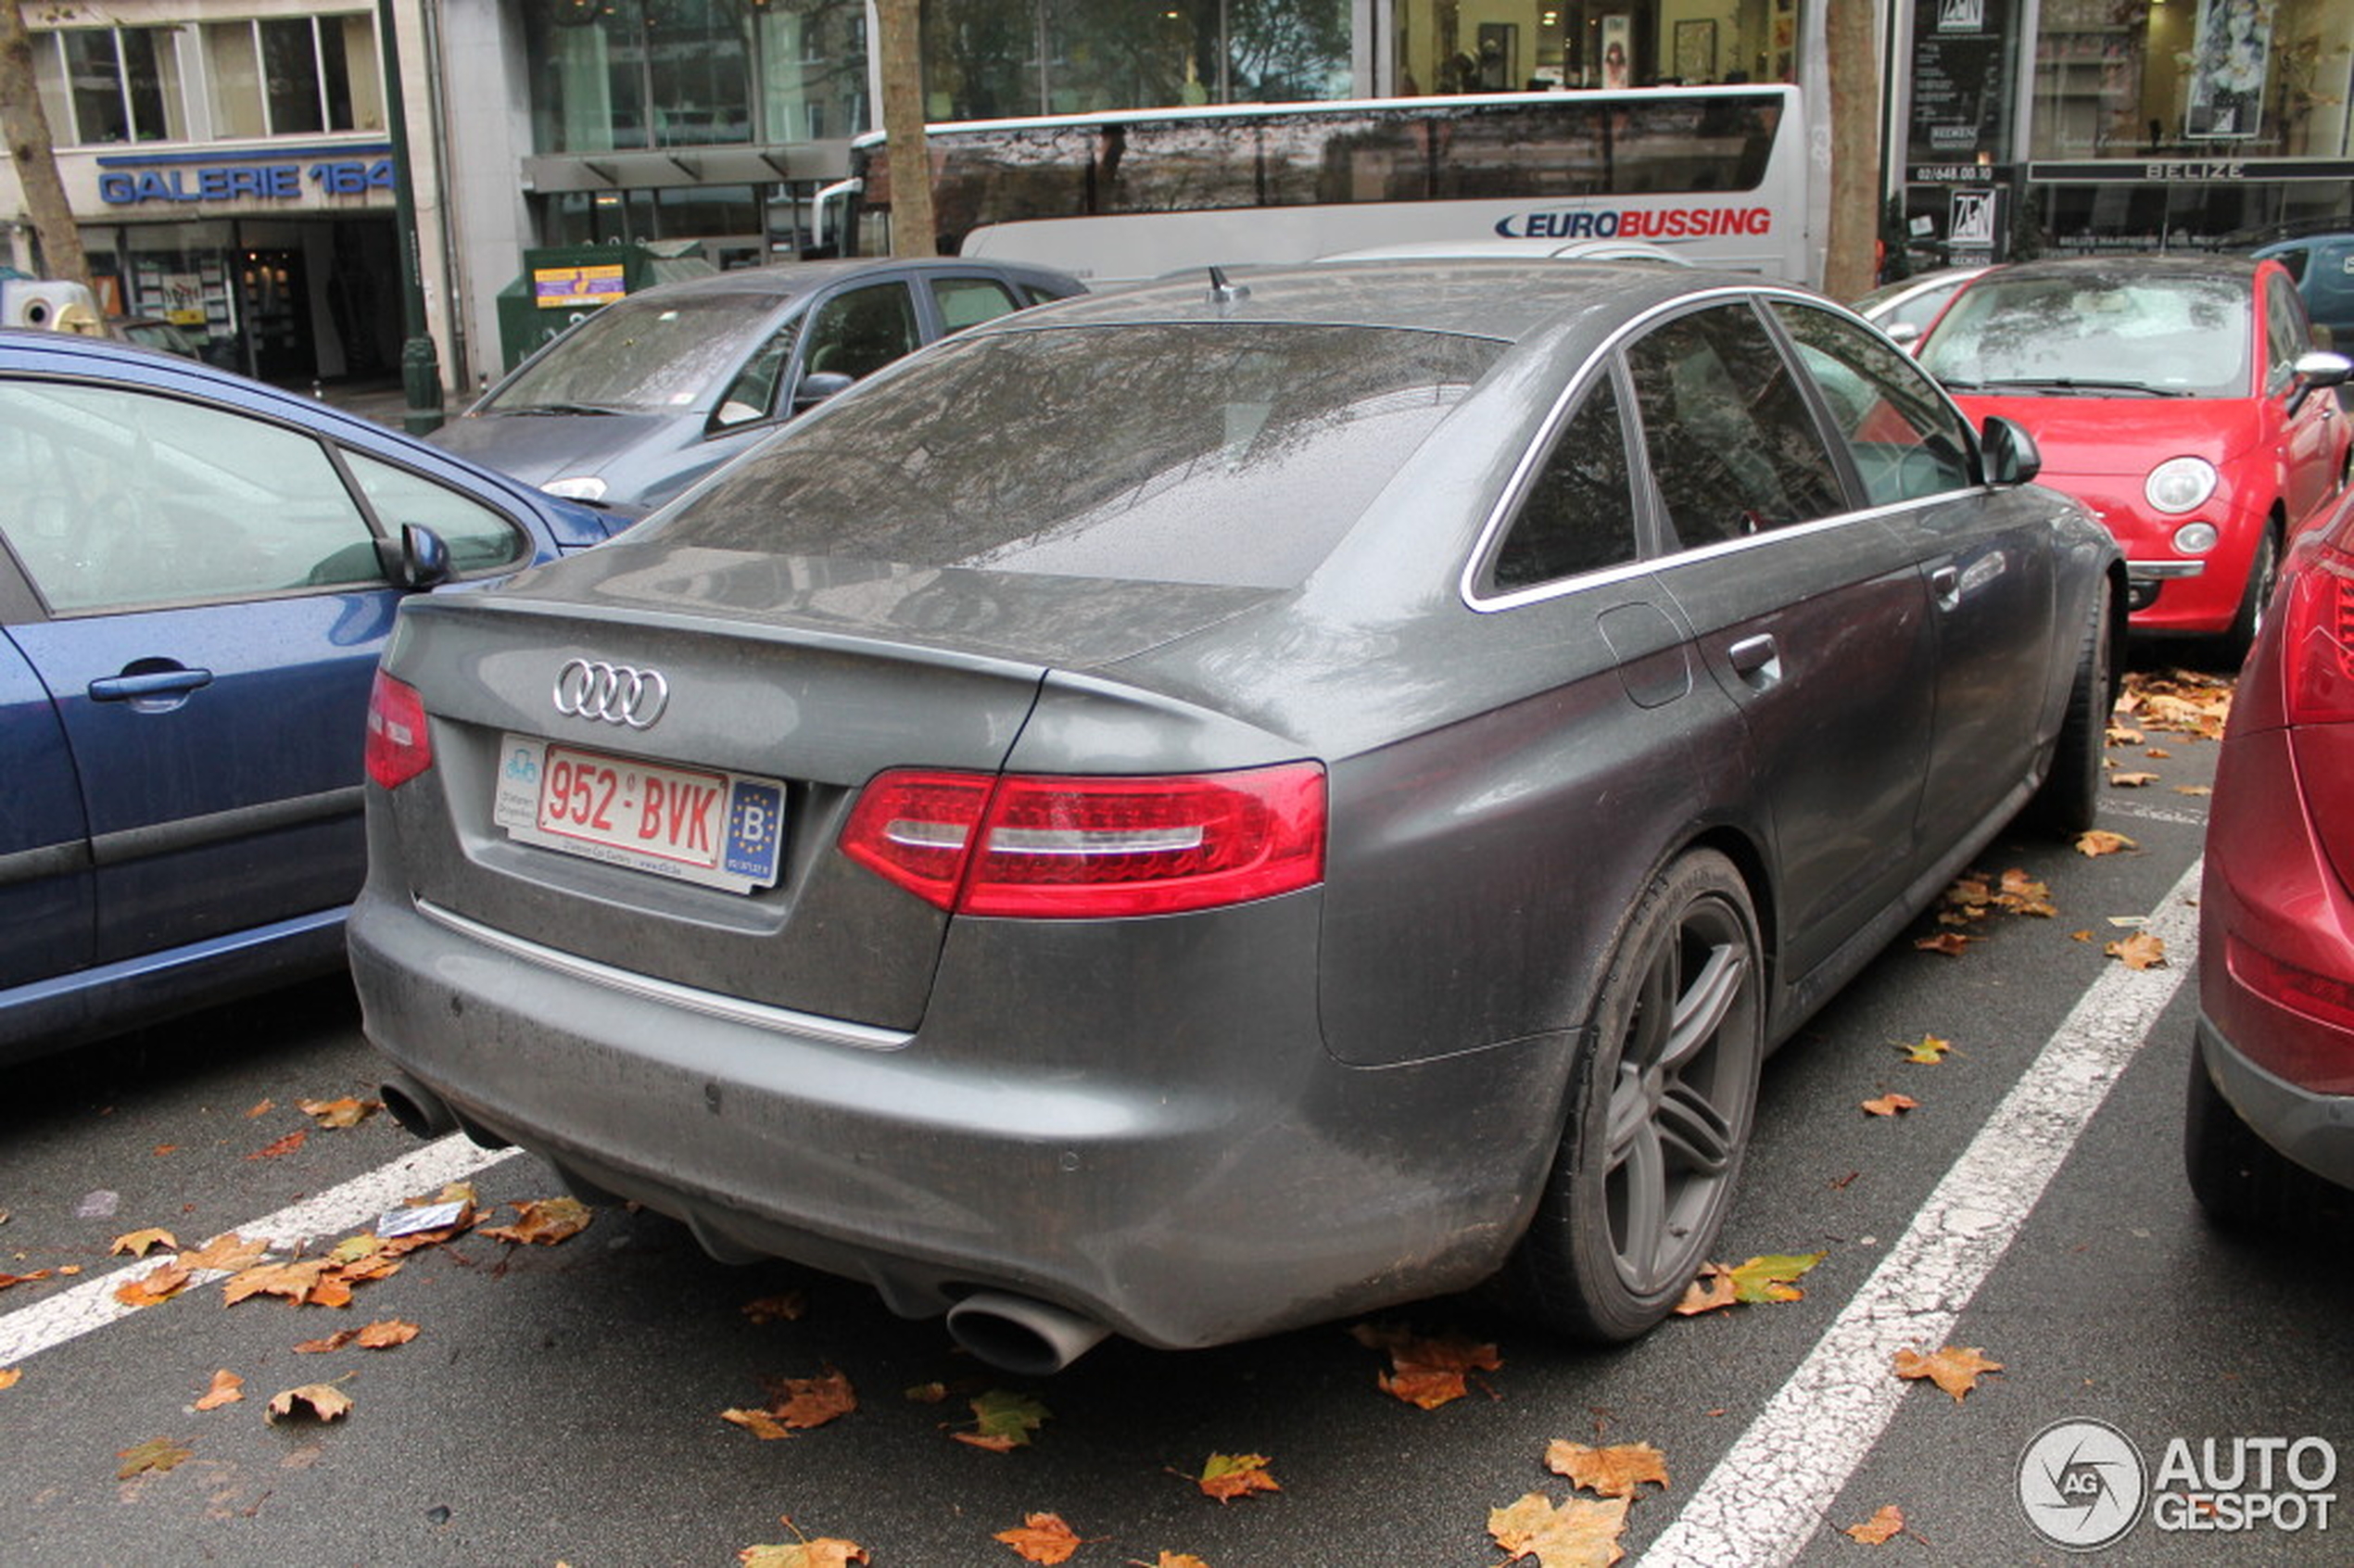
(591, 689)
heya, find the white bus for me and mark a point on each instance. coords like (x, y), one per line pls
(1716, 174)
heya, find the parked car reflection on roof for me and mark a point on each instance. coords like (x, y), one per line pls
(197, 573)
(651, 393)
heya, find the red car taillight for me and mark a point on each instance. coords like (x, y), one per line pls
(1091, 848)
(2324, 998)
(2316, 643)
(398, 746)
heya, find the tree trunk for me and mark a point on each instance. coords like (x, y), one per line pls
(1848, 260)
(26, 128)
(902, 46)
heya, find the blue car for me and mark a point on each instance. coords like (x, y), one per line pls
(196, 573)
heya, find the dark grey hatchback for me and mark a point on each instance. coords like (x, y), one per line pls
(1214, 808)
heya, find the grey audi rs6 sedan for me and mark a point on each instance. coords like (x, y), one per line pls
(1201, 810)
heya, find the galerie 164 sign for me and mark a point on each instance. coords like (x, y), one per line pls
(234, 181)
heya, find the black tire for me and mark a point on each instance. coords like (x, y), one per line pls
(1660, 1109)
(2068, 802)
(2242, 1182)
(2263, 575)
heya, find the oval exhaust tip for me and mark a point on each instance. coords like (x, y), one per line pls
(1017, 1335)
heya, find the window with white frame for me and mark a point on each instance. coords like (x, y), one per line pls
(222, 80)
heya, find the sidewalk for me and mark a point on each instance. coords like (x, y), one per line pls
(381, 401)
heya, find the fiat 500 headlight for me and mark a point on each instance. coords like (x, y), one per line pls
(2179, 484)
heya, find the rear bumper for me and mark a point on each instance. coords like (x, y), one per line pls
(1187, 1170)
(2315, 1130)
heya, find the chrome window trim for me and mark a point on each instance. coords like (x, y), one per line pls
(1596, 366)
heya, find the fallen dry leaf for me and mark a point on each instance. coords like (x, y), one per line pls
(824, 1553)
(2096, 841)
(760, 1423)
(349, 1111)
(1763, 1279)
(1956, 1368)
(296, 1282)
(9, 1376)
(788, 1307)
(2193, 789)
(1427, 1373)
(1615, 1472)
(8, 1279)
(1880, 1527)
(227, 1389)
(805, 1402)
(1004, 1422)
(2131, 780)
(1042, 1537)
(1953, 944)
(1891, 1105)
(2140, 951)
(1175, 1559)
(156, 1453)
(1228, 1476)
(159, 1284)
(285, 1145)
(1579, 1534)
(544, 1222)
(1928, 1052)
(139, 1243)
(325, 1399)
(264, 1108)
(228, 1252)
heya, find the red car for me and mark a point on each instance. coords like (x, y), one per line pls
(2269, 1130)
(2179, 397)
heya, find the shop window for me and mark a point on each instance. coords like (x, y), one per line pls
(2214, 78)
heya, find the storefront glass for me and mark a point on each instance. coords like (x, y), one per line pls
(987, 59)
(1495, 45)
(2211, 79)
(674, 73)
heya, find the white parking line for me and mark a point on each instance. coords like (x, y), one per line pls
(91, 1305)
(1762, 1503)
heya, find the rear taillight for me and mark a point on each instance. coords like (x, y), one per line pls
(1072, 848)
(2324, 998)
(2317, 647)
(399, 747)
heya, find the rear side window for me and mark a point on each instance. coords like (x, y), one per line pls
(1208, 453)
(969, 301)
(118, 498)
(1733, 447)
(1580, 512)
(861, 330)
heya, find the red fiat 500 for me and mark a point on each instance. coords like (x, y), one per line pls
(2179, 397)
(2271, 1125)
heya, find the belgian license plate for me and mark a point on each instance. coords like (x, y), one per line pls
(717, 829)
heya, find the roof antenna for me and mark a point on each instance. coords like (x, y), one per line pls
(1223, 292)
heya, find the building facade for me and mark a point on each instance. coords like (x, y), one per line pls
(230, 162)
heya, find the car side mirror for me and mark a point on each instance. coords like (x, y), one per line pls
(2008, 451)
(2315, 370)
(418, 560)
(818, 385)
(1905, 333)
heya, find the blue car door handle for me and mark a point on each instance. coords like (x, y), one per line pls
(149, 684)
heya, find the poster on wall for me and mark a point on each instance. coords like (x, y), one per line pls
(1959, 104)
(2228, 63)
(1616, 33)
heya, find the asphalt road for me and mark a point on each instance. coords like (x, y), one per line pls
(562, 1403)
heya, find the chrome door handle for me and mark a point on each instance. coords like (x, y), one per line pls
(1945, 585)
(1757, 660)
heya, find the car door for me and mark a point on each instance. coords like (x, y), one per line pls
(1810, 617)
(45, 844)
(211, 605)
(1984, 556)
(2311, 440)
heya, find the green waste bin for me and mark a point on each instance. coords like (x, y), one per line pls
(561, 283)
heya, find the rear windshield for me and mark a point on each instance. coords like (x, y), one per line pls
(643, 357)
(1209, 453)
